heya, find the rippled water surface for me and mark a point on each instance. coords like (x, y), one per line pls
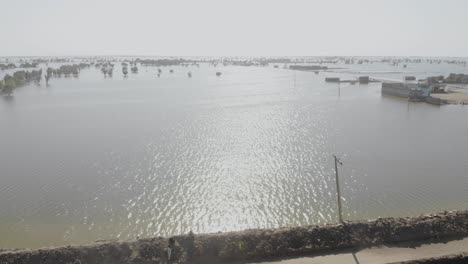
(100, 158)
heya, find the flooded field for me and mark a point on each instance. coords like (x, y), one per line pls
(93, 158)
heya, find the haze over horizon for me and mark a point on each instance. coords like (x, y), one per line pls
(235, 28)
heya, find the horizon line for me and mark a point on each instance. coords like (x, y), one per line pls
(241, 56)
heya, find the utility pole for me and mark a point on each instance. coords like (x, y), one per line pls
(337, 160)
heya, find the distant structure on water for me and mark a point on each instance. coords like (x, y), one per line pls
(405, 90)
(307, 67)
(332, 79)
(420, 92)
(364, 79)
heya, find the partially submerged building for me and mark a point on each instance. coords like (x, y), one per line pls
(363, 79)
(332, 79)
(434, 90)
(457, 79)
(413, 91)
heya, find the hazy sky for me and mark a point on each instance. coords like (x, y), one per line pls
(235, 27)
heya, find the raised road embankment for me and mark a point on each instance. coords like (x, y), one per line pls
(252, 244)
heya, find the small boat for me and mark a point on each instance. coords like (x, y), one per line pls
(218, 73)
(189, 74)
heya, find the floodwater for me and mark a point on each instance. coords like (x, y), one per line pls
(99, 158)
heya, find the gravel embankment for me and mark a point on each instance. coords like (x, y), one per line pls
(252, 244)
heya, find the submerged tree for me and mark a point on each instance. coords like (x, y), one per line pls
(48, 75)
(9, 84)
(104, 71)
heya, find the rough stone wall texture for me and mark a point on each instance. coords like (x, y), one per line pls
(252, 244)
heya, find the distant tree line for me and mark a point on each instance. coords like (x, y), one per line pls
(66, 70)
(28, 65)
(10, 82)
(7, 66)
